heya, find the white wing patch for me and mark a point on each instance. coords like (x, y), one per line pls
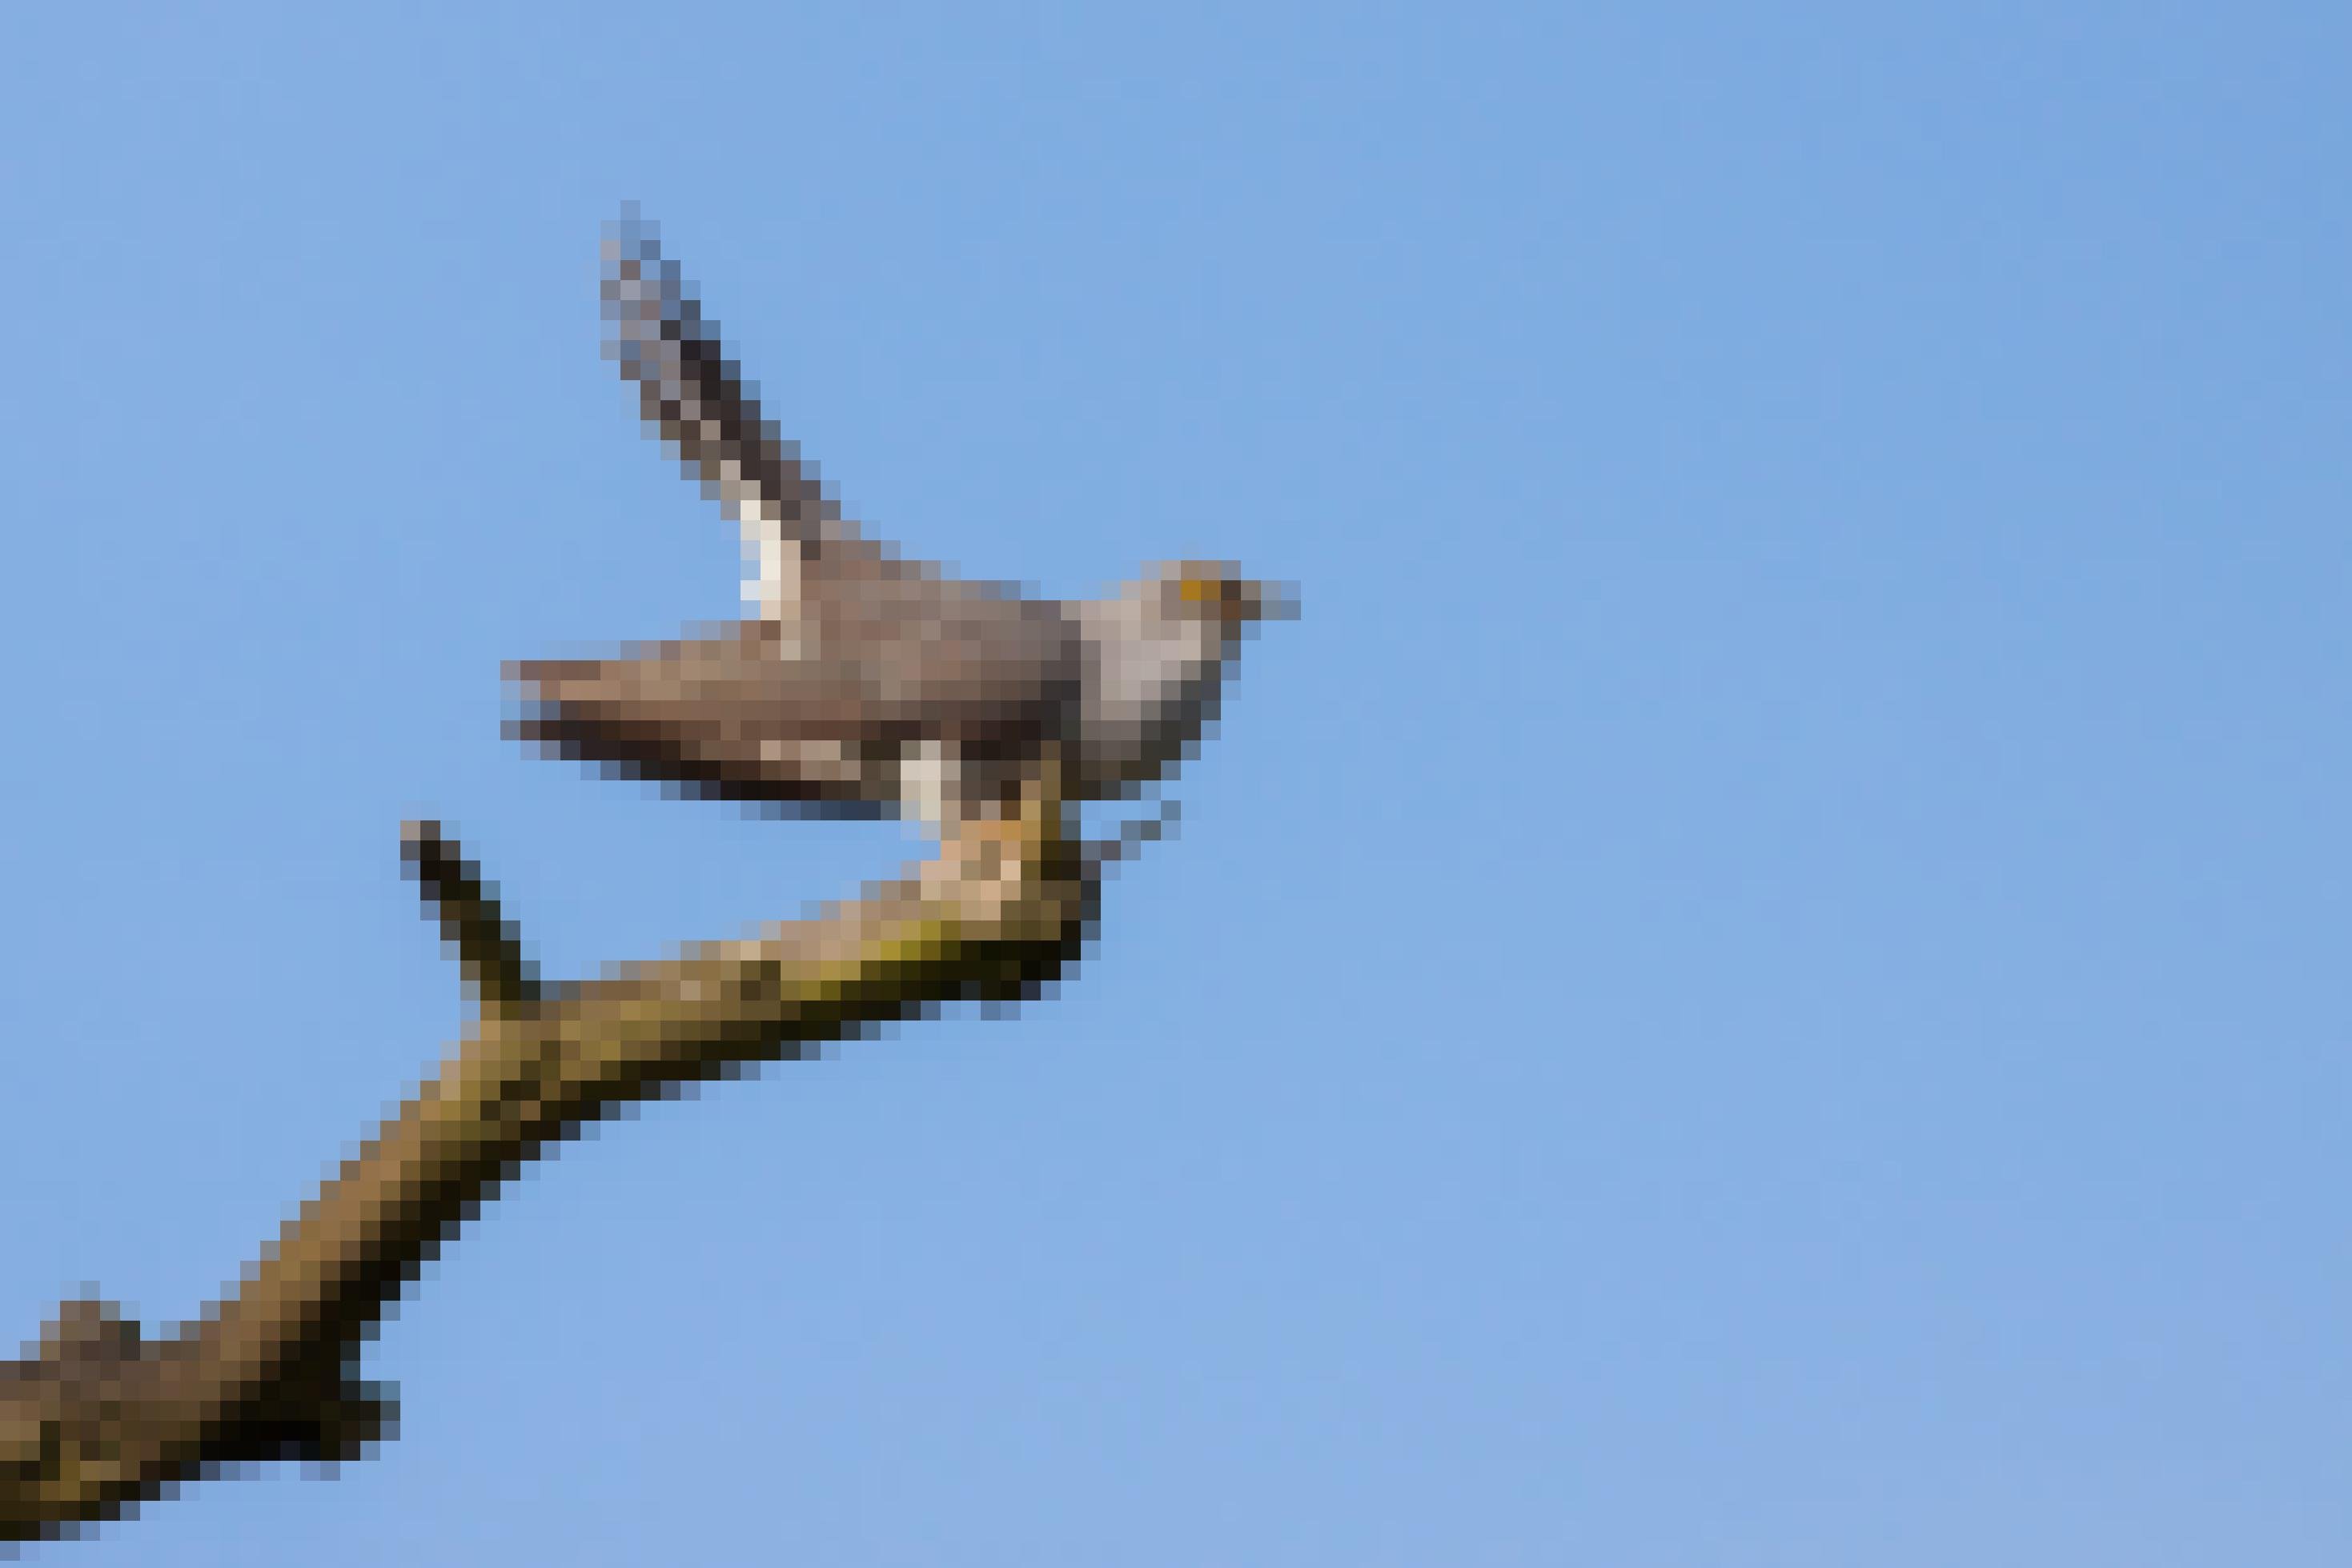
(772, 583)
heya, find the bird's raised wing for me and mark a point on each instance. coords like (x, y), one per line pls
(708, 415)
(857, 661)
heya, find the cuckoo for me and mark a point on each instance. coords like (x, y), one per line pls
(862, 680)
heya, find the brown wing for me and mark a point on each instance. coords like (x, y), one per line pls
(744, 714)
(862, 655)
(708, 415)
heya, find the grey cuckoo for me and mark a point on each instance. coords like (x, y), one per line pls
(864, 681)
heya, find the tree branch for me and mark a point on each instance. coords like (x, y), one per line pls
(488, 949)
(98, 1419)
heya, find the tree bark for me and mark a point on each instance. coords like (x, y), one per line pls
(100, 1418)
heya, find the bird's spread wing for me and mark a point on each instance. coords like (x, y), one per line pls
(708, 415)
(857, 659)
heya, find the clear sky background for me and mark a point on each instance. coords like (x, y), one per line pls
(1761, 980)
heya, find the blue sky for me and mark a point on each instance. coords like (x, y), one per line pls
(1759, 981)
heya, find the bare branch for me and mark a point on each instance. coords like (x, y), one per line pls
(99, 1417)
(488, 946)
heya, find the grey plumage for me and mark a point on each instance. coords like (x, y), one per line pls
(864, 680)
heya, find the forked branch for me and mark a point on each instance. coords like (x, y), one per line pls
(99, 1417)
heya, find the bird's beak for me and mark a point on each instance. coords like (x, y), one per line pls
(1277, 601)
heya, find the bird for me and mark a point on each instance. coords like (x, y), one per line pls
(863, 682)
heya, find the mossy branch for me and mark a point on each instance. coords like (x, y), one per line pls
(98, 1419)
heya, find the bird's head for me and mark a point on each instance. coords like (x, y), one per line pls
(1215, 593)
